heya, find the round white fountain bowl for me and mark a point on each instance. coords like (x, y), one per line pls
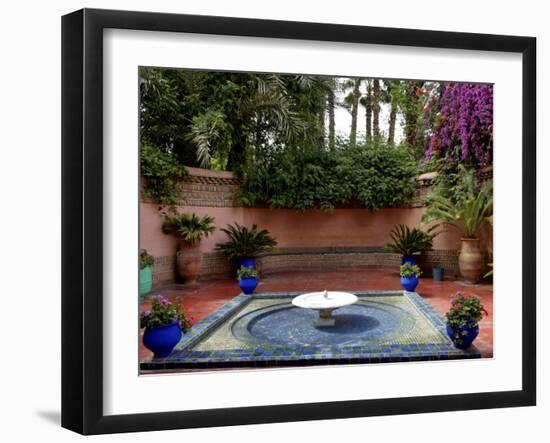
(324, 302)
(317, 300)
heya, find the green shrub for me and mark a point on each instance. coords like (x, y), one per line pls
(374, 176)
(161, 171)
(377, 176)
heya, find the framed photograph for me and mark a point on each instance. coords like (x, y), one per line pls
(269, 221)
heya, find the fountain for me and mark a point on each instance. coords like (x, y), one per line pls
(281, 329)
(325, 302)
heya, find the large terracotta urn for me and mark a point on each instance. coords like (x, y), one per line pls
(189, 262)
(470, 260)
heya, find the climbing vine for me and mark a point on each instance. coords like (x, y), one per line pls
(161, 172)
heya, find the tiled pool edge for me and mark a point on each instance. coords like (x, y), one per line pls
(185, 358)
(212, 321)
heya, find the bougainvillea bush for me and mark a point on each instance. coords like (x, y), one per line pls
(463, 131)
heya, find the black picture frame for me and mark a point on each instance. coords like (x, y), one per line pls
(82, 218)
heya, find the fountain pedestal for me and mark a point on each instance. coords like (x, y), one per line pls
(325, 302)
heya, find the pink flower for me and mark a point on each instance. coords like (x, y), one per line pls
(163, 300)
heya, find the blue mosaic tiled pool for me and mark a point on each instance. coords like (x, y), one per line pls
(265, 329)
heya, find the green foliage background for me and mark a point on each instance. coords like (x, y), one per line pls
(277, 132)
(373, 176)
(161, 171)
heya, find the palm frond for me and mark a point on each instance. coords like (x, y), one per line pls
(469, 213)
(244, 242)
(273, 103)
(189, 227)
(407, 241)
(208, 129)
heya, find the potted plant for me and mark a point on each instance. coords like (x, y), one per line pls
(409, 242)
(248, 279)
(245, 244)
(190, 229)
(146, 261)
(409, 276)
(164, 324)
(463, 319)
(468, 214)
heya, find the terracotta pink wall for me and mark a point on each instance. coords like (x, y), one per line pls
(341, 227)
(159, 244)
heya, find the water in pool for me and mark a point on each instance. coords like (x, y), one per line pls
(276, 322)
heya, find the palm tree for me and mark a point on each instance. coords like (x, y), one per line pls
(331, 101)
(270, 105)
(376, 109)
(273, 102)
(412, 109)
(392, 93)
(366, 101)
(351, 101)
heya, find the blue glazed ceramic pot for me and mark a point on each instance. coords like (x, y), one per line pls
(162, 339)
(247, 262)
(465, 340)
(409, 283)
(248, 284)
(408, 259)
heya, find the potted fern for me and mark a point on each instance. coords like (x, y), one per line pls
(468, 213)
(190, 229)
(243, 244)
(409, 242)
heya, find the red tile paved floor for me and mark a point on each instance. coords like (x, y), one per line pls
(210, 295)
